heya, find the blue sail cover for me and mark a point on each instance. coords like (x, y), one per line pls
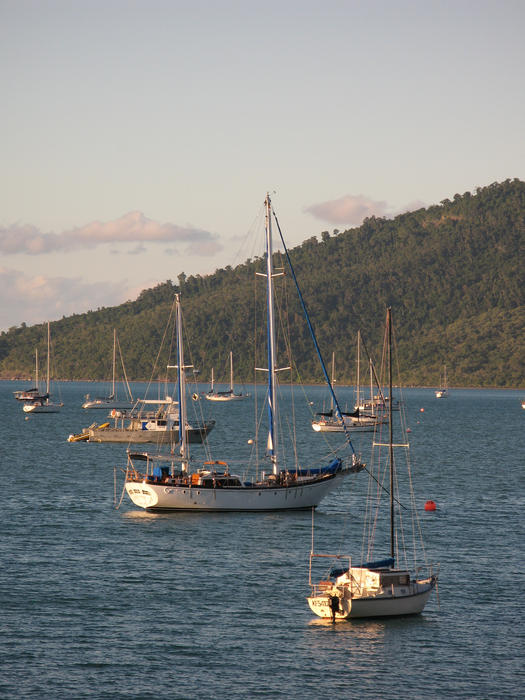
(335, 466)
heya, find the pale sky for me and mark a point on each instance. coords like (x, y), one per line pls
(138, 137)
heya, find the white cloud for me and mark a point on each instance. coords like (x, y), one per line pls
(133, 227)
(40, 298)
(349, 210)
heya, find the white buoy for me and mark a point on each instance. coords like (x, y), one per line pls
(250, 442)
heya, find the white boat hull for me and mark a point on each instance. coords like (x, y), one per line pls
(226, 397)
(108, 405)
(354, 426)
(163, 497)
(385, 605)
(160, 437)
(44, 408)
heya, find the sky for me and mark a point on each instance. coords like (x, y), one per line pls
(138, 138)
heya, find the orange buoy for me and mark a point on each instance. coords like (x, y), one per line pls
(430, 505)
(422, 410)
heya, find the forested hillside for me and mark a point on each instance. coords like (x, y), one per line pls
(453, 274)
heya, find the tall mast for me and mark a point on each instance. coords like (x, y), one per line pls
(48, 348)
(332, 383)
(272, 370)
(36, 369)
(390, 430)
(231, 372)
(181, 387)
(358, 368)
(114, 359)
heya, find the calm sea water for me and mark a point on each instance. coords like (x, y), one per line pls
(99, 602)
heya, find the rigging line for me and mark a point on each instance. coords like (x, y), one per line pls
(312, 333)
(373, 368)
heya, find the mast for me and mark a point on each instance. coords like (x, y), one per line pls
(114, 360)
(358, 369)
(48, 347)
(36, 369)
(390, 431)
(333, 382)
(272, 370)
(181, 387)
(231, 372)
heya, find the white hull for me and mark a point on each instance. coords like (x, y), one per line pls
(108, 405)
(225, 397)
(161, 437)
(163, 497)
(441, 394)
(45, 408)
(385, 605)
(356, 426)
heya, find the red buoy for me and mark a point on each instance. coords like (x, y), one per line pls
(430, 505)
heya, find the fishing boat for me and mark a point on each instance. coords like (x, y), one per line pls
(112, 401)
(358, 420)
(172, 482)
(41, 403)
(227, 395)
(377, 588)
(442, 392)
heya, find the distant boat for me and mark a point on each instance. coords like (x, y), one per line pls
(442, 392)
(358, 420)
(111, 401)
(29, 394)
(172, 483)
(387, 587)
(41, 403)
(523, 403)
(228, 395)
(144, 425)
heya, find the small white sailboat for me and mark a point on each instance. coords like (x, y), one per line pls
(169, 483)
(229, 394)
(41, 403)
(359, 420)
(112, 401)
(442, 392)
(368, 588)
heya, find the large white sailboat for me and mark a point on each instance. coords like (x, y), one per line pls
(228, 394)
(171, 483)
(112, 401)
(362, 587)
(41, 403)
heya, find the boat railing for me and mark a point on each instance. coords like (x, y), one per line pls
(323, 585)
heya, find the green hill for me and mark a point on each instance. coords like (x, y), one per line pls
(453, 274)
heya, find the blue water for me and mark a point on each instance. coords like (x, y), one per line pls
(99, 602)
